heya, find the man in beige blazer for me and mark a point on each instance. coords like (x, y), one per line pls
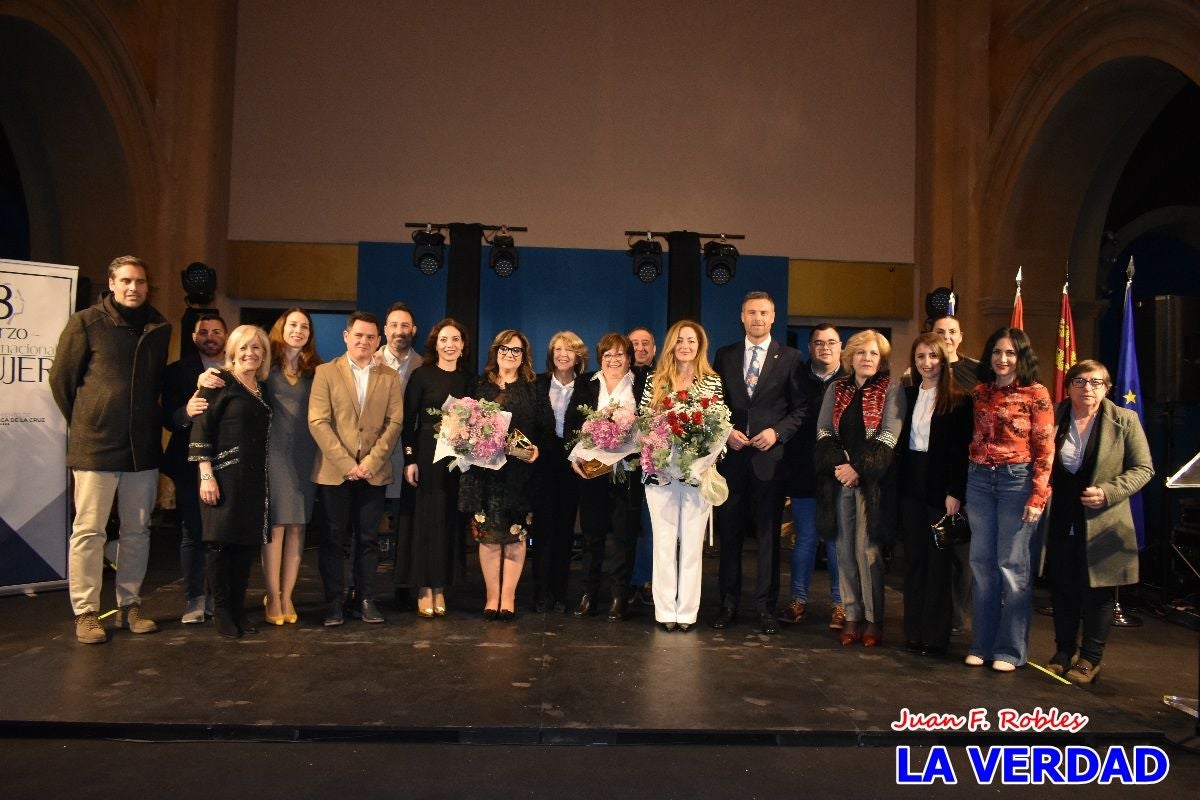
(355, 413)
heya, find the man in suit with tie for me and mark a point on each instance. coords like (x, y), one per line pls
(355, 414)
(761, 383)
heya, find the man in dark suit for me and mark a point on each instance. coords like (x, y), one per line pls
(761, 382)
(179, 387)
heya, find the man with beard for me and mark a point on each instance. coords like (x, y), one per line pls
(181, 405)
(399, 330)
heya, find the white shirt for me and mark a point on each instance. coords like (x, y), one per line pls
(762, 354)
(922, 418)
(402, 365)
(1074, 446)
(623, 393)
(560, 398)
(361, 376)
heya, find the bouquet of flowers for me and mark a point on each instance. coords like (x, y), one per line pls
(606, 437)
(682, 442)
(473, 431)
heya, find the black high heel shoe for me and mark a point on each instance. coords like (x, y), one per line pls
(506, 616)
(490, 614)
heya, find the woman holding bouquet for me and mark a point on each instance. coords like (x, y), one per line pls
(557, 501)
(500, 502)
(683, 382)
(608, 503)
(436, 543)
(857, 429)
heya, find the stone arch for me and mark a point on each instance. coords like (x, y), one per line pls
(82, 127)
(1057, 150)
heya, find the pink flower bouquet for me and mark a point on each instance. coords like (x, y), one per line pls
(473, 432)
(607, 436)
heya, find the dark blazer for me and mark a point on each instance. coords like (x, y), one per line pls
(587, 393)
(778, 403)
(179, 384)
(949, 437)
(798, 454)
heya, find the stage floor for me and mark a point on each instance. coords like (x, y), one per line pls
(543, 678)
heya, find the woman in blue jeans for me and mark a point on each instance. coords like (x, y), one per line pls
(1008, 484)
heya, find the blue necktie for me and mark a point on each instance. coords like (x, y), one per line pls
(752, 371)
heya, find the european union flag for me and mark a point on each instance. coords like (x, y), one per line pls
(1129, 392)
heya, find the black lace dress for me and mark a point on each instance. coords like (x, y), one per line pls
(499, 502)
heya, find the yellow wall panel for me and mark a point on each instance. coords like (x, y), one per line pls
(840, 289)
(295, 270)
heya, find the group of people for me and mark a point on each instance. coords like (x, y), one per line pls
(866, 456)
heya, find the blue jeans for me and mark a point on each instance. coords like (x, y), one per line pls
(804, 553)
(1002, 584)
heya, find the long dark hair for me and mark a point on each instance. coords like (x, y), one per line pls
(1027, 360)
(430, 355)
(949, 394)
(308, 359)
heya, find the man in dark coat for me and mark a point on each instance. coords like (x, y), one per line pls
(179, 386)
(106, 380)
(760, 379)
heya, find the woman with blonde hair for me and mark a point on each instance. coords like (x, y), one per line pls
(857, 430)
(500, 502)
(229, 444)
(678, 512)
(557, 502)
(291, 452)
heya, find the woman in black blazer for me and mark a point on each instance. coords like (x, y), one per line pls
(556, 503)
(607, 505)
(933, 452)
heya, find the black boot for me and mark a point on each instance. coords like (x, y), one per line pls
(216, 564)
(242, 559)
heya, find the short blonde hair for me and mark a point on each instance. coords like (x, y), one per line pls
(243, 334)
(571, 340)
(858, 341)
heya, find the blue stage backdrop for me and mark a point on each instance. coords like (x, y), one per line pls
(590, 292)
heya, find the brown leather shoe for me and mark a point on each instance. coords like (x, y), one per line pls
(838, 620)
(1083, 672)
(794, 611)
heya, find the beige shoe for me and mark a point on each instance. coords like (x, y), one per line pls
(194, 613)
(1083, 672)
(838, 619)
(131, 617)
(88, 629)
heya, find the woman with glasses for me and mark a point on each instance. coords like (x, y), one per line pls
(1008, 484)
(1101, 459)
(500, 502)
(933, 466)
(435, 546)
(608, 504)
(557, 502)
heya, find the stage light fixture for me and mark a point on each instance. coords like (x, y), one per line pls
(430, 251)
(647, 259)
(199, 283)
(504, 259)
(720, 261)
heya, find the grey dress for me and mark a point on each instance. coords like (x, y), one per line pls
(291, 451)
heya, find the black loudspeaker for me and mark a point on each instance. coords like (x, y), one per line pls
(1172, 324)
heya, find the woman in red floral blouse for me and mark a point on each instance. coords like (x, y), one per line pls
(1008, 483)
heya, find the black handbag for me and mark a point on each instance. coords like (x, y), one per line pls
(951, 530)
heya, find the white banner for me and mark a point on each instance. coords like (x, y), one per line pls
(35, 302)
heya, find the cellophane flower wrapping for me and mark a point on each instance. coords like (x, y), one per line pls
(685, 438)
(473, 432)
(608, 435)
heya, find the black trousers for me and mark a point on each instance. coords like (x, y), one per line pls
(1076, 602)
(227, 567)
(607, 508)
(360, 503)
(928, 605)
(555, 506)
(757, 505)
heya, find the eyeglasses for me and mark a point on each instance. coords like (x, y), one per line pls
(613, 357)
(513, 351)
(831, 343)
(1095, 383)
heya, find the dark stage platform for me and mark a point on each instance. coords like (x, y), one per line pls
(546, 679)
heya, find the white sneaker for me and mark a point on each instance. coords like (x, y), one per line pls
(194, 613)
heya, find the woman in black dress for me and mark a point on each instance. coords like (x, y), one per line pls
(436, 541)
(229, 442)
(500, 502)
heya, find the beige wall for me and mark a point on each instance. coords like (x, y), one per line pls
(792, 122)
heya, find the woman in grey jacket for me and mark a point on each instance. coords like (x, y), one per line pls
(1101, 458)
